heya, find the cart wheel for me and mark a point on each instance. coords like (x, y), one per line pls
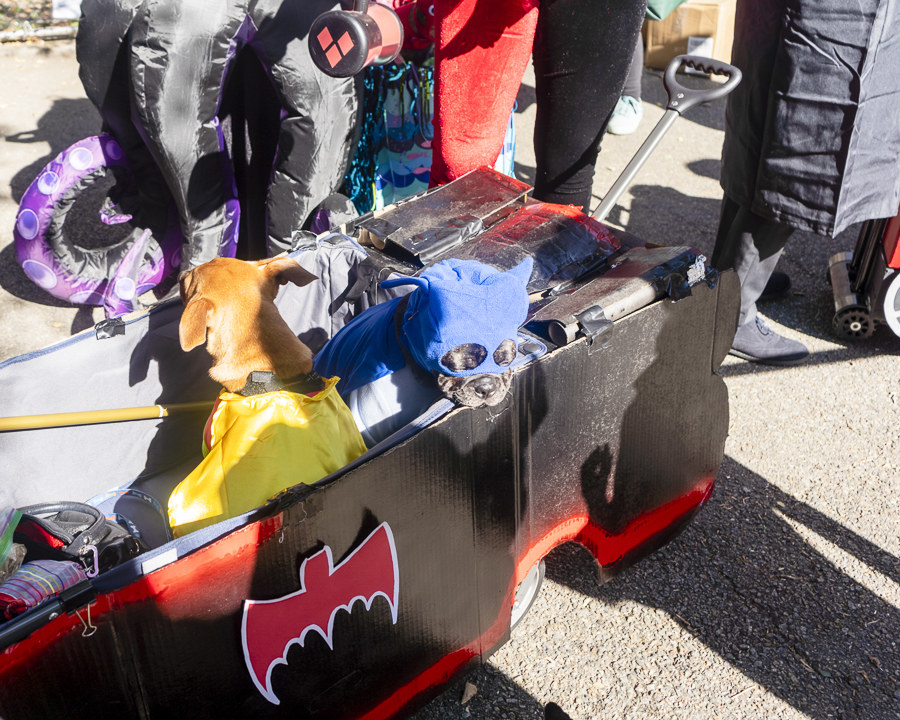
(853, 323)
(892, 304)
(526, 593)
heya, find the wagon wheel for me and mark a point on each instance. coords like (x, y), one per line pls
(853, 323)
(526, 593)
(891, 305)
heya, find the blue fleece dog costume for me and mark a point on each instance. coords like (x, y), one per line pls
(455, 302)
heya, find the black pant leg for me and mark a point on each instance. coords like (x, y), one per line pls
(582, 53)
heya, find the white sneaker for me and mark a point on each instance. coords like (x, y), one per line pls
(626, 116)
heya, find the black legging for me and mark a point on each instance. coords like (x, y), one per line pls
(582, 53)
(581, 49)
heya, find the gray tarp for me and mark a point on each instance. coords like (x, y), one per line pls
(143, 366)
(813, 131)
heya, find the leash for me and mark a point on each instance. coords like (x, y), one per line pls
(262, 381)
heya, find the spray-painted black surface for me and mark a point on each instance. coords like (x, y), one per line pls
(616, 433)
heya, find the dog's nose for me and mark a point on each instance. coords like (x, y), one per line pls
(484, 385)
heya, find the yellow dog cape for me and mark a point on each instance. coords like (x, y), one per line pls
(256, 446)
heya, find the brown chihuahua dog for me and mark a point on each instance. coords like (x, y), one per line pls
(277, 424)
(230, 305)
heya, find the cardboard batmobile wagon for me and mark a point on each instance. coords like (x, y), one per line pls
(364, 594)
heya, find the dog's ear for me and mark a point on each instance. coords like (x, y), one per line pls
(192, 328)
(284, 270)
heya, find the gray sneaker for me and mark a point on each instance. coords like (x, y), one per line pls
(757, 342)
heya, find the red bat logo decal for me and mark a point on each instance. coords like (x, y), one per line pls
(270, 627)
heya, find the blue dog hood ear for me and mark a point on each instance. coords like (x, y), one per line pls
(464, 302)
(522, 274)
(397, 282)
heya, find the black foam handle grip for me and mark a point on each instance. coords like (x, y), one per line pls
(682, 98)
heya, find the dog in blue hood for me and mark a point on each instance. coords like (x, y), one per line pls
(455, 333)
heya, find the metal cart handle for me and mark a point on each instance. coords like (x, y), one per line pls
(680, 99)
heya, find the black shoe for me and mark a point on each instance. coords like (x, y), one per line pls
(778, 286)
(756, 342)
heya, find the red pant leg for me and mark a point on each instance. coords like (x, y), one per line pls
(482, 48)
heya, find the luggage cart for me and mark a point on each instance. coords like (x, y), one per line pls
(866, 282)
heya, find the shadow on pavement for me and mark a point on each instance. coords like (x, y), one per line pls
(667, 216)
(708, 168)
(14, 280)
(497, 696)
(748, 580)
(883, 342)
(67, 121)
(711, 114)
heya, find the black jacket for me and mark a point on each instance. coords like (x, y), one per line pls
(812, 134)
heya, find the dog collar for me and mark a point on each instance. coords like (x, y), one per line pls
(262, 381)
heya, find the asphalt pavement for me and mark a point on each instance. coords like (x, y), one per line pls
(780, 600)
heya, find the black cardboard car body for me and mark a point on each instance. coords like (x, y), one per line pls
(363, 595)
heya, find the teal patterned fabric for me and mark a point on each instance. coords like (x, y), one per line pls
(393, 157)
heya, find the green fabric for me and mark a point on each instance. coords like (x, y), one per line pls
(9, 518)
(659, 9)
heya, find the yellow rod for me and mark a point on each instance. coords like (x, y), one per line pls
(93, 417)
